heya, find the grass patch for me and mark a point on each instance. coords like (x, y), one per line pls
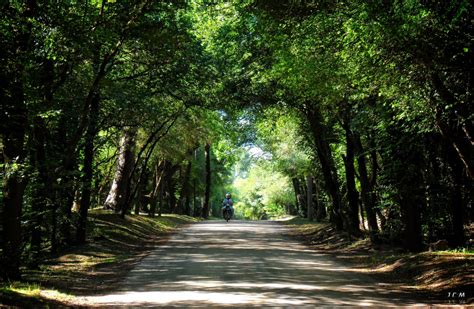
(457, 251)
(31, 295)
(28, 289)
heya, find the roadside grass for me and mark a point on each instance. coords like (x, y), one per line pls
(31, 295)
(434, 273)
(114, 245)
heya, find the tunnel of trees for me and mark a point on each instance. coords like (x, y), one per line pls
(357, 112)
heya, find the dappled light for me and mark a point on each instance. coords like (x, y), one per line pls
(245, 263)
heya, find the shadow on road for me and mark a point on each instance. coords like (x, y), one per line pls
(243, 263)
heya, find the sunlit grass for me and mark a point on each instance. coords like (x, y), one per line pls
(33, 290)
(28, 289)
(457, 251)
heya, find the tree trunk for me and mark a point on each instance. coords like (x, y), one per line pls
(157, 184)
(362, 216)
(168, 186)
(207, 194)
(185, 191)
(309, 195)
(125, 160)
(41, 188)
(65, 197)
(455, 124)
(324, 153)
(353, 195)
(54, 228)
(300, 205)
(141, 199)
(13, 186)
(87, 170)
(320, 208)
(365, 186)
(196, 208)
(14, 124)
(457, 201)
(412, 197)
(160, 199)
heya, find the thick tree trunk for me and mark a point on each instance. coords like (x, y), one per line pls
(13, 126)
(353, 195)
(412, 198)
(13, 136)
(116, 198)
(365, 186)
(207, 194)
(87, 170)
(324, 153)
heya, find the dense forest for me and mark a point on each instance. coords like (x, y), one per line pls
(357, 112)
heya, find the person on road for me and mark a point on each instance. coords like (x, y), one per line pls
(228, 202)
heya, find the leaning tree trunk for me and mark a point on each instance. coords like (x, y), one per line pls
(207, 194)
(455, 124)
(367, 198)
(324, 153)
(87, 170)
(117, 195)
(157, 185)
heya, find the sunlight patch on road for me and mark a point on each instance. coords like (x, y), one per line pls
(220, 284)
(169, 297)
(274, 286)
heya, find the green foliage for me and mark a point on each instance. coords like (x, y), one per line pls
(262, 193)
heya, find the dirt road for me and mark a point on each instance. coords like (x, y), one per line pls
(244, 264)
